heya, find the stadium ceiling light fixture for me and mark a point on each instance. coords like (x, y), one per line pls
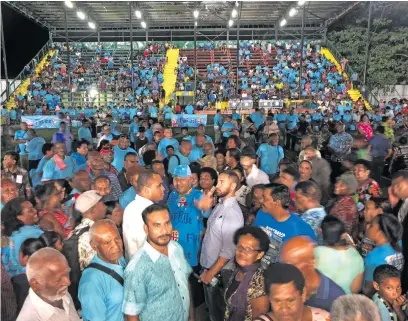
(81, 15)
(91, 25)
(196, 24)
(236, 3)
(301, 2)
(283, 22)
(230, 22)
(292, 12)
(143, 24)
(234, 13)
(138, 14)
(69, 4)
(196, 13)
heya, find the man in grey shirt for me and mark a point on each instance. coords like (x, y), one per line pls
(218, 249)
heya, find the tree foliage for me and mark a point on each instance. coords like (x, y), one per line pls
(388, 51)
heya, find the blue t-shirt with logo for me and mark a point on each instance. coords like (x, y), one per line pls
(187, 222)
(279, 232)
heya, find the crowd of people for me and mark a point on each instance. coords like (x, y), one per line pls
(284, 216)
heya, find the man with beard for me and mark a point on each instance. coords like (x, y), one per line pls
(156, 278)
(48, 297)
(218, 249)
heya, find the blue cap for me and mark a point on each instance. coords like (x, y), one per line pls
(182, 171)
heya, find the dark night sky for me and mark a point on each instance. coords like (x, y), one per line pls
(23, 39)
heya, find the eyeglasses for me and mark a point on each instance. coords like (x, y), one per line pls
(247, 250)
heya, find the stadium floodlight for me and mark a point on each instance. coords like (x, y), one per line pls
(143, 24)
(69, 4)
(230, 23)
(234, 13)
(236, 3)
(81, 15)
(196, 24)
(292, 12)
(301, 2)
(283, 22)
(91, 25)
(196, 13)
(138, 14)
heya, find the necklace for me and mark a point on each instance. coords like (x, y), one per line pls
(390, 310)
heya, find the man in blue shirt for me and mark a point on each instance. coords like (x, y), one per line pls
(278, 222)
(270, 154)
(227, 127)
(258, 118)
(218, 120)
(101, 286)
(180, 157)
(291, 126)
(153, 110)
(166, 141)
(59, 166)
(167, 114)
(189, 109)
(120, 151)
(156, 278)
(84, 132)
(21, 137)
(34, 149)
(197, 150)
(186, 218)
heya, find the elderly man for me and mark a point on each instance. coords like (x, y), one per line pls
(320, 290)
(186, 216)
(96, 168)
(218, 249)
(156, 278)
(60, 165)
(149, 189)
(48, 297)
(8, 191)
(354, 307)
(17, 174)
(101, 285)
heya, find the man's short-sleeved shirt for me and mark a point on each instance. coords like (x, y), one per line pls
(119, 156)
(51, 171)
(187, 222)
(167, 142)
(292, 121)
(21, 134)
(189, 110)
(156, 286)
(380, 146)
(279, 232)
(85, 133)
(270, 157)
(101, 296)
(175, 161)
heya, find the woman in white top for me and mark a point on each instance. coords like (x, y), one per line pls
(336, 259)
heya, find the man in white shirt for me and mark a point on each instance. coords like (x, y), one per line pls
(253, 174)
(48, 298)
(150, 189)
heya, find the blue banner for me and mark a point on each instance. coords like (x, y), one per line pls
(185, 120)
(41, 121)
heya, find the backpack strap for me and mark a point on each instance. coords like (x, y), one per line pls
(108, 271)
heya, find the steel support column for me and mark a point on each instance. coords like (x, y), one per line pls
(227, 36)
(131, 45)
(367, 49)
(302, 36)
(195, 62)
(50, 36)
(4, 56)
(99, 36)
(325, 33)
(276, 33)
(238, 22)
(68, 56)
(147, 37)
(171, 35)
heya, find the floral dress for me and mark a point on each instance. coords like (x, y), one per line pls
(365, 191)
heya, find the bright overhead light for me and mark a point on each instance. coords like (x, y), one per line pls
(301, 2)
(292, 12)
(93, 92)
(138, 14)
(234, 13)
(143, 24)
(196, 24)
(230, 23)
(69, 4)
(196, 13)
(91, 25)
(237, 3)
(283, 22)
(81, 15)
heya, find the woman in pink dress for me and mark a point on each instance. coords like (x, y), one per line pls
(364, 127)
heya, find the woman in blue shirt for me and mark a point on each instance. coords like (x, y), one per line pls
(20, 223)
(386, 232)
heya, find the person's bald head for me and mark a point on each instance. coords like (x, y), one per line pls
(106, 241)
(48, 274)
(8, 190)
(299, 251)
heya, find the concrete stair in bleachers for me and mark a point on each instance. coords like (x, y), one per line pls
(169, 76)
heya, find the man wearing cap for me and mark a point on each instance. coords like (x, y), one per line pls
(149, 189)
(92, 209)
(186, 215)
(340, 146)
(120, 151)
